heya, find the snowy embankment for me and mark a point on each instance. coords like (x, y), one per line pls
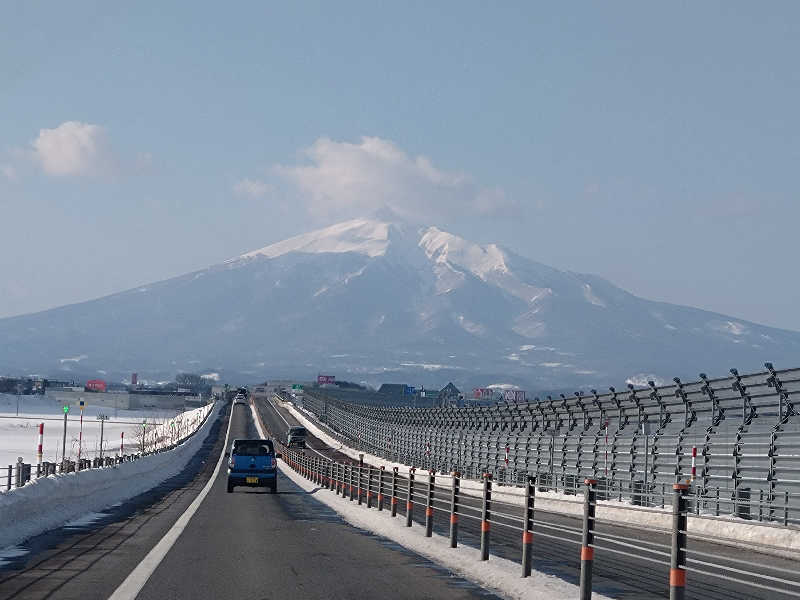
(731, 531)
(497, 574)
(49, 502)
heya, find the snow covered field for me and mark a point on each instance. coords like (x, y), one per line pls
(19, 434)
(50, 502)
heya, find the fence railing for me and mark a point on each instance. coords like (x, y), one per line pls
(736, 439)
(481, 512)
(20, 473)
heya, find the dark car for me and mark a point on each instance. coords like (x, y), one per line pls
(296, 436)
(253, 463)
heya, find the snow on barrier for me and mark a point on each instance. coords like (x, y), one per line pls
(49, 502)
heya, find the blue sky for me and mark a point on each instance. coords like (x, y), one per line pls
(657, 146)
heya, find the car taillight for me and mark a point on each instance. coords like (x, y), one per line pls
(272, 462)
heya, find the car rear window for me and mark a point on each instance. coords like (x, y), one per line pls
(254, 449)
(297, 431)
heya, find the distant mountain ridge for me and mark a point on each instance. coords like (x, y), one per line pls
(381, 300)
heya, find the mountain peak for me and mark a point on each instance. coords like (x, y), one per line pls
(363, 236)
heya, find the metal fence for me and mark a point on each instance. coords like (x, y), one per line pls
(735, 438)
(481, 513)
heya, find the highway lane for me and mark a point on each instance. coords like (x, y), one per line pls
(252, 544)
(620, 576)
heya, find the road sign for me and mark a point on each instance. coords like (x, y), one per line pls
(81, 404)
(66, 408)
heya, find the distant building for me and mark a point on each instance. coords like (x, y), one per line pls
(450, 395)
(393, 389)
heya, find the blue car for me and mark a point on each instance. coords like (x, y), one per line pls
(253, 463)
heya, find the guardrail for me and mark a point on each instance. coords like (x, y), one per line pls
(482, 512)
(736, 439)
(154, 442)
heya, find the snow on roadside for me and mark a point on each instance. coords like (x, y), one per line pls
(50, 502)
(498, 574)
(730, 531)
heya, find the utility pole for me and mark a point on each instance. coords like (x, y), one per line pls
(102, 419)
(80, 436)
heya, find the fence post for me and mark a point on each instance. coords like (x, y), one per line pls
(454, 510)
(429, 504)
(587, 550)
(486, 515)
(677, 565)
(410, 498)
(369, 487)
(527, 527)
(358, 488)
(10, 471)
(380, 488)
(394, 492)
(352, 487)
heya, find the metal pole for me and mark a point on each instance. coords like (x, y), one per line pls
(527, 527)
(64, 441)
(410, 498)
(380, 488)
(80, 437)
(454, 500)
(677, 570)
(587, 549)
(646, 499)
(429, 504)
(486, 515)
(102, 422)
(394, 492)
(359, 482)
(369, 487)
(39, 450)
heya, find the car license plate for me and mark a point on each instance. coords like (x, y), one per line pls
(252, 480)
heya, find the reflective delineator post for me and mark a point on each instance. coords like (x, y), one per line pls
(587, 548)
(394, 492)
(352, 487)
(358, 491)
(369, 487)
(486, 515)
(429, 504)
(39, 451)
(454, 510)
(677, 565)
(410, 498)
(331, 475)
(380, 488)
(527, 527)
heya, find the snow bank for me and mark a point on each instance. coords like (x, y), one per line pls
(498, 574)
(730, 531)
(50, 502)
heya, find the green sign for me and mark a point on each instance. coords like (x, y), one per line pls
(66, 408)
(297, 386)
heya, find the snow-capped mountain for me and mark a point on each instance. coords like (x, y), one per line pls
(378, 300)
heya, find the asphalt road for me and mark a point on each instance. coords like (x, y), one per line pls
(249, 544)
(556, 546)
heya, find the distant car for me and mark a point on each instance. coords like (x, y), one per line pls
(253, 463)
(296, 436)
(239, 399)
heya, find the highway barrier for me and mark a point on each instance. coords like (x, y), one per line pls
(736, 439)
(488, 509)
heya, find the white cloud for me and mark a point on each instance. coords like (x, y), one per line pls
(73, 148)
(251, 188)
(353, 179)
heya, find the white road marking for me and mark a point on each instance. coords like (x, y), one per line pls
(275, 408)
(133, 584)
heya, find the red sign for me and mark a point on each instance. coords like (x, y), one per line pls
(134, 379)
(96, 385)
(323, 379)
(482, 393)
